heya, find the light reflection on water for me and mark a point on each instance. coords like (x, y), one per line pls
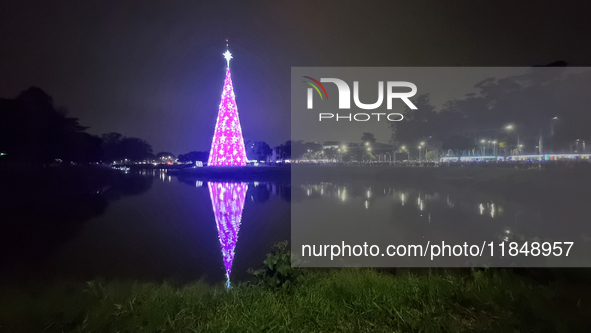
(227, 200)
(327, 190)
(189, 228)
(424, 212)
(176, 228)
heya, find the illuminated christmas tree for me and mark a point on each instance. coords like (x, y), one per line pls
(227, 200)
(227, 147)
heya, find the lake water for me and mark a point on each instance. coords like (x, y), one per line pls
(156, 226)
(167, 229)
(383, 213)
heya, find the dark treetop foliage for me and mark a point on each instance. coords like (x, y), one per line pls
(528, 102)
(33, 130)
(194, 156)
(257, 150)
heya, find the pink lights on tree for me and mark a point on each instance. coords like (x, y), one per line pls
(227, 147)
(227, 200)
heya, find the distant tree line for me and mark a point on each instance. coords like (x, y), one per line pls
(194, 156)
(257, 150)
(544, 110)
(546, 102)
(33, 130)
(116, 147)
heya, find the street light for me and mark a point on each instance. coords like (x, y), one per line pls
(425, 153)
(495, 147)
(483, 149)
(342, 150)
(407, 153)
(510, 127)
(552, 126)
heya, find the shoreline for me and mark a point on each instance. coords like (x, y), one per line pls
(246, 173)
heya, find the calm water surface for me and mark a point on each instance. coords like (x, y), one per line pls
(171, 228)
(383, 213)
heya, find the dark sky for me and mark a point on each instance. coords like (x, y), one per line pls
(155, 70)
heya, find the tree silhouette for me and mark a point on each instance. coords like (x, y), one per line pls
(257, 150)
(111, 142)
(368, 137)
(33, 130)
(135, 149)
(194, 156)
(544, 101)
(285, 150)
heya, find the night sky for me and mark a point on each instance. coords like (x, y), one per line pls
(155, 70)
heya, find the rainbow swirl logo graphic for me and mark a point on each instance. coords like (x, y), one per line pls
(315, 86)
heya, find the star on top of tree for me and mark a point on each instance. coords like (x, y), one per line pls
(228, 56)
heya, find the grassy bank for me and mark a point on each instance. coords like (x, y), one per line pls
(352, 300)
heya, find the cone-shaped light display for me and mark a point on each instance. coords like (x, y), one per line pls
(227, 200)
(227, 147)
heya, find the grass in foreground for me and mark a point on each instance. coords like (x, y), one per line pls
(349, 300)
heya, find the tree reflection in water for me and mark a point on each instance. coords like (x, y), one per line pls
(227, 200)
(46, 210)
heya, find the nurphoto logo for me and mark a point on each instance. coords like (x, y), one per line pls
(345, 99)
